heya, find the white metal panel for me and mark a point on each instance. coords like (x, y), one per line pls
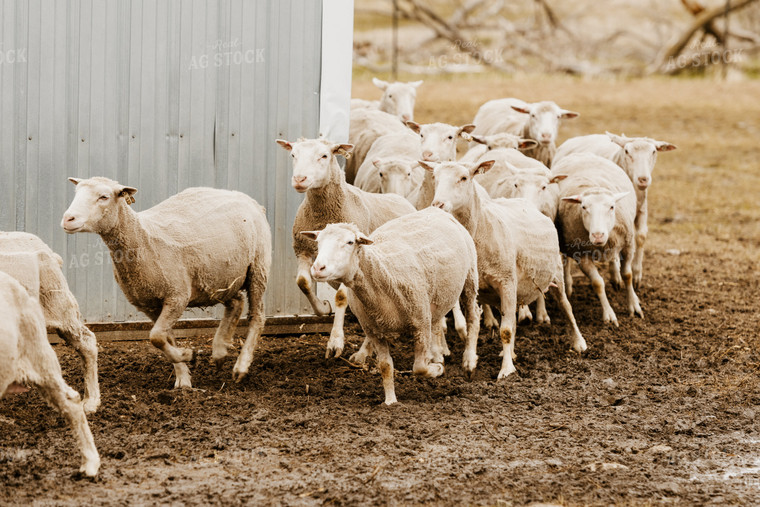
(161, 96)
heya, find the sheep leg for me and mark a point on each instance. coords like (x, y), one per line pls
(82, 340)
(568, 275)
(489, 321)
(558, 293)
(306, 284)
(469, 298)
(337, 340)
(423, 353)
(542, 316)
(634, 307)
(66, 400)
(460, 324)
(641, 237)
(597, 282)
(361, 355)
(440, 347)
(523, 313)
(614, 268)
(385, 365)
(508, 328)
(223, 336)
(256, 321)
(161, 338)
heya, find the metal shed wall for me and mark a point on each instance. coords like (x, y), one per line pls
(160, 95)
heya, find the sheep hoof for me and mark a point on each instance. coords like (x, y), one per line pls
(543, 319)
(91, 405)
(90, 469)
(238, 376)
(358, 358)
(523, 314)
(334, 346)
(580, 346)
(505, 372)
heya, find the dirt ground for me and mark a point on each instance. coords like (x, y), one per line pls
(660, 410)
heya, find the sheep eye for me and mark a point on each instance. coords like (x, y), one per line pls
(583, 206)
(451, 137)
(103, 198)
(463, 178)
(380, 174)
(515, 185)
(543, 188)
(390, 96)
(422, 136)
(324, 156)
(612, 208)
(351, 242)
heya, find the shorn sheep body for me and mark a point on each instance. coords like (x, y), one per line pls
(517, 247)
(27, 358)
(365, 126)
(59, 305)
(391, 165)
(637, 157)
(403, 279)
(329, 199)
(538, 121)
(595, 221)
(198, 248)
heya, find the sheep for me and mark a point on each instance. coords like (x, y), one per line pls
(539, 121)
(483, 144)
(329, 199)
(595, 221)
(27, 358)
(391, 165)
(198, 248)
(58, 303)
(365, 126)
(636, 156)
(398, 99)
(404, 278)
(517, 248)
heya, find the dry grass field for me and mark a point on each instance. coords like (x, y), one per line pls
(661, 410)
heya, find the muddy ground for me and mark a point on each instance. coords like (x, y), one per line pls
(660, 410)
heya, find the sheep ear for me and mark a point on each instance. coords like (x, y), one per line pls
(526, 144)
(310, 234)
(522, 109)
(573, 198)
(416, 84)
(377, 163)
(75, 181)
(663, 146)
(465, 129)
(428, 166)
(361, 239)
(478, 139)
(285, 144)
(619, 196)
(566, 115)
(558, 178)
(619, 140)
(380, 83)
(482, 168)
(343, 149)
(127, 193)
(414, 126)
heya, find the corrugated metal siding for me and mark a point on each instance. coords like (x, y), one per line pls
(161, 96)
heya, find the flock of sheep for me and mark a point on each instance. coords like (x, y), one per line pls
(406, 233)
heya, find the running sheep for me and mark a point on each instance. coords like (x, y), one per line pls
(637, 157)
(517, 249)
(596, 223)
(27, 358)
(198, 248)
(403, 279)
(329, 199)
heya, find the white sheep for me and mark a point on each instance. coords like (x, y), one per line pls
(365, 126)
(596, 222)
(637, 157)
(329, 199)
(198, 248)
(398, 99)
(27, 358)
(404, 278)
(391, 165)
(483, 144)
(58, 303)
(538, 121)
(517, 247)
